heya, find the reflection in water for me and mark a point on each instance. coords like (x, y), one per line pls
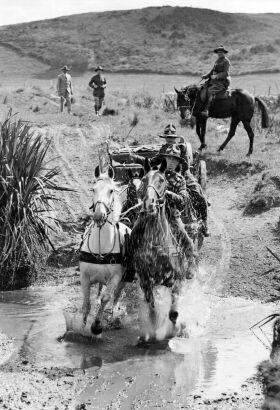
(215, 358)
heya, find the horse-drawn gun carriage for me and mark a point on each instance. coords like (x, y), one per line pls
(128, 173)
(120, 160)
(154, 248)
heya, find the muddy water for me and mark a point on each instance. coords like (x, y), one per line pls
(220, 353)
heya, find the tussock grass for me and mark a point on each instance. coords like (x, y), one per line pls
(266, 194)
(27, 183)
(143, 100)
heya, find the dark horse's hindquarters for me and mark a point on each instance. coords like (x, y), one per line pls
(240, 106)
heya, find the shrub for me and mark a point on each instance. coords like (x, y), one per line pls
(26, 197)
(110, 111)
(143, 100)
(169, 102)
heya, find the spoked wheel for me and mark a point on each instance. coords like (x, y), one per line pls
(189, 153)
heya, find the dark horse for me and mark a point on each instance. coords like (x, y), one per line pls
(157, 257)
(129, 209)
(238, 104)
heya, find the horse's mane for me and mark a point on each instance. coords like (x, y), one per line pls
(117, 198)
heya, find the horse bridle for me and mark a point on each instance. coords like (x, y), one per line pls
(161, 198)
(188, 101)
(109, 209)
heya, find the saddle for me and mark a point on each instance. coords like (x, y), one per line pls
(221, 95)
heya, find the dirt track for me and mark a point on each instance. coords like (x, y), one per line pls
(234, 257)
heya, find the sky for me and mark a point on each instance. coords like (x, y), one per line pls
(17, 11)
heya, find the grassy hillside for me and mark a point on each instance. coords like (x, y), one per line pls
(157, 39)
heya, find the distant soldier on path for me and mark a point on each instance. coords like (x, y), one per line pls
(64, 88)
(98, 84)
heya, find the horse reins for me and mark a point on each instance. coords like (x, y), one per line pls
(161, 198)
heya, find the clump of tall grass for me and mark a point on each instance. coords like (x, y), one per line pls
(27, 185)
(169, 102)
(143, 100)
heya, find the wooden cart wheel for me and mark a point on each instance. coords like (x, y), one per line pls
(202, 175)
(189, 153)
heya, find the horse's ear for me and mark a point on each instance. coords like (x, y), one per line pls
(97, 172)
(141, 173)
(130, 174)
(178, 92)
(111, 172)
(147, 165)
(163, 165)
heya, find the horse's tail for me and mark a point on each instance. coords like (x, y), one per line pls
(264, 110)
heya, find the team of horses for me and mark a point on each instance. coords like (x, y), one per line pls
(157, 258)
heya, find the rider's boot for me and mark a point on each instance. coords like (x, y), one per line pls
(205, 111)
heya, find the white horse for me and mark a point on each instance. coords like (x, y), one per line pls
(102, 248)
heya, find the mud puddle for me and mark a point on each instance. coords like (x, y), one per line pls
(218, 356)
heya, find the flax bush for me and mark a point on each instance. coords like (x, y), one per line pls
(27, 185)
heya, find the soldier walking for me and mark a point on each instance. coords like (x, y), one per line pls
(98, 84)
(64, 88)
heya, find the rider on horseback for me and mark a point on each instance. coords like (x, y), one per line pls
(193, 187)
(218, 77)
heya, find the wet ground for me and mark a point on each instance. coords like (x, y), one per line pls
(219, 355)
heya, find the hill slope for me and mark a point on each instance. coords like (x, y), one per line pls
(158, 39)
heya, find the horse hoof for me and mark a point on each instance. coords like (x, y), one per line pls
(173, 315)
(203, 146)
(96, 328)
(249, 154)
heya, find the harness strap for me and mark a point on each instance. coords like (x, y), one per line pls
(107, 259)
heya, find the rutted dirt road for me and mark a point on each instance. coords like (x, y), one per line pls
(209, 370)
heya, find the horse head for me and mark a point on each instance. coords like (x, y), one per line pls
(103, 195)
(185, 100)
(153, 187)
(134, 185)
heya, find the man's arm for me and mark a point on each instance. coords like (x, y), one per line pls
(179, 199)
(92, 83)
(225, 73)
(138, 159)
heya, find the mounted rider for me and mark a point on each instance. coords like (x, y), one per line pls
(194, 189)
(218, 76)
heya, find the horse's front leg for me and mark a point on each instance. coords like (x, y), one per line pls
(201, 124)
(173, 313)
(112, 285)
(85, 284)
(231, 133)
(118, 292)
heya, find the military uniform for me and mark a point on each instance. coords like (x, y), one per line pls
(193, 189)
(64, 88)
(221, 70)
(98, 84)
(222, 79)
